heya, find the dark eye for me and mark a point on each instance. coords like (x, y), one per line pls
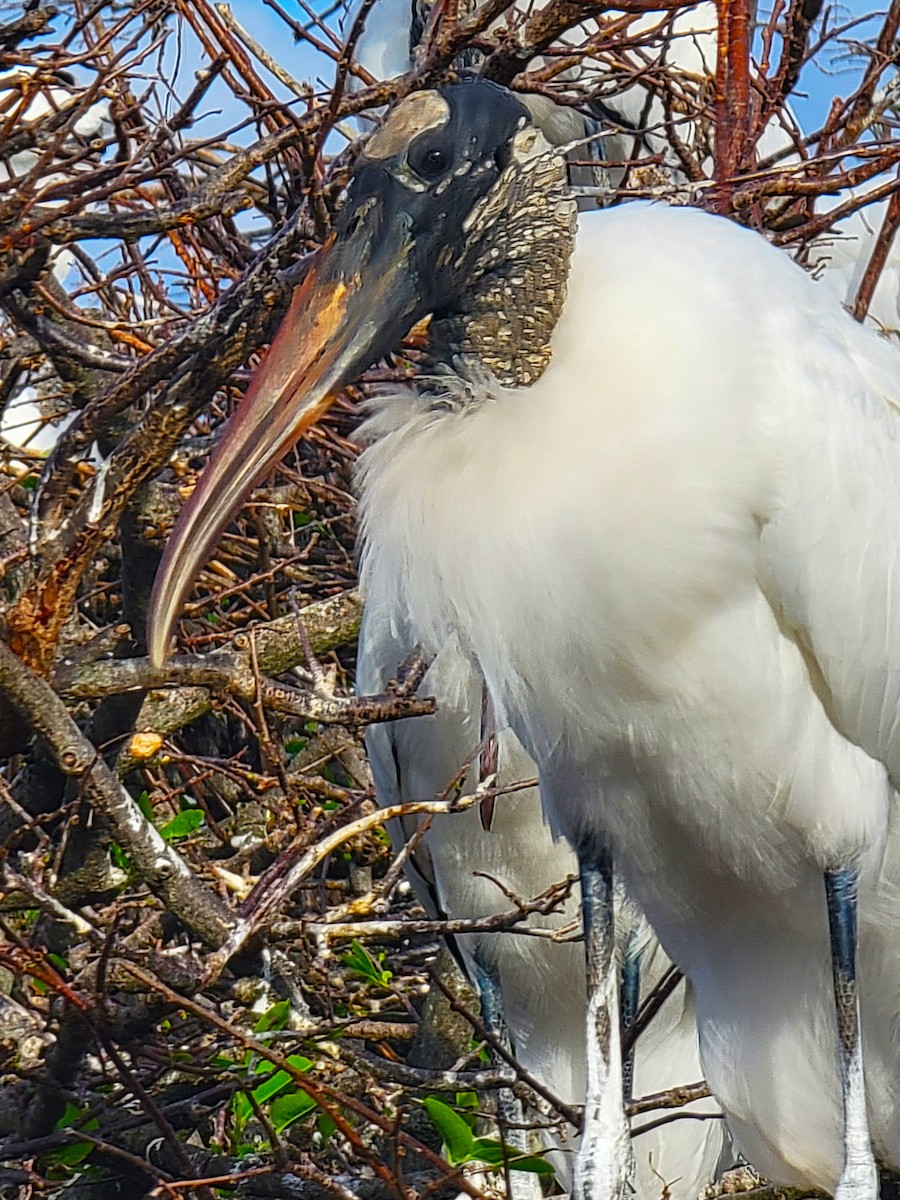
(429, 163)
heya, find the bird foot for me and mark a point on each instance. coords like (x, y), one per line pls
(595, 1181)
(859, 1179)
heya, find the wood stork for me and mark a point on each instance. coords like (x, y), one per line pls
(27, 100)
(686, 46)
(650, 478)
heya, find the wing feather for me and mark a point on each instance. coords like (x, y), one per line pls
(830, 549)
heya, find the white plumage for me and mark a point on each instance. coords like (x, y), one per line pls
(27, 100)
(677, 580)
(542, 981)
(460, 849)
(686, 48)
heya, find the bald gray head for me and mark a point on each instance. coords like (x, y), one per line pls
(457, 208)
(465, 173)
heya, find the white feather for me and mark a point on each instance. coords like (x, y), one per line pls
(645, 553)
(542, 981)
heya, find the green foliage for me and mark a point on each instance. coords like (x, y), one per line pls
(187, 822)
(463, 1146)
(119, 858)
(274, 1018)
(277, 1094)
(325, 1125)
(73, 1153)
(289, 1108)
(456, 1132)
(361, 963)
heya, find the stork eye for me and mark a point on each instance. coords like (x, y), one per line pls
(429, 162)
(502, 156)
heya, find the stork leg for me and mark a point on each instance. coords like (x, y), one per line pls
(859, 1177)
(630, 1002)
(601, 1166)
(521, 1185)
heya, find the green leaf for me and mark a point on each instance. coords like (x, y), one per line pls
(287, 1109)
(242, 1109)
(455, 1133)
(73, 1114)
(119, 857)
(495, 1154)
(325, 1125)
(361, 962)
(274, 1018)
(183, 825)
(279, 1080)
(143, 803)
(479, 1049)
(72, 1155)
(273, 1085)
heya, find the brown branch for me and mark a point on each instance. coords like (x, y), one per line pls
(328, 623)
(328, 1099)
(128, 227)
(676, 1097)
(268, 895)
(29, 25)
(877, 259)
(161, 867)
(732, 84)
(570, 1112)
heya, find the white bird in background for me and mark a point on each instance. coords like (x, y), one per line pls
(650, 478)
(39, 111)
(539, 985)
(44, 112)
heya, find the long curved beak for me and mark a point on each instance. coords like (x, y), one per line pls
(358, 300)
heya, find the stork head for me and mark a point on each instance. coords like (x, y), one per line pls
(455, 199)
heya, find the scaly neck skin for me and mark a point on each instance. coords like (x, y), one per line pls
(505, 319)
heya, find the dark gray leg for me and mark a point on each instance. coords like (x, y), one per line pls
(522, 1185)
(859, 1178)
(601, 1167)
(630, 1003)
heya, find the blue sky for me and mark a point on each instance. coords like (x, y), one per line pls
(819, 84)
(182, 56)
